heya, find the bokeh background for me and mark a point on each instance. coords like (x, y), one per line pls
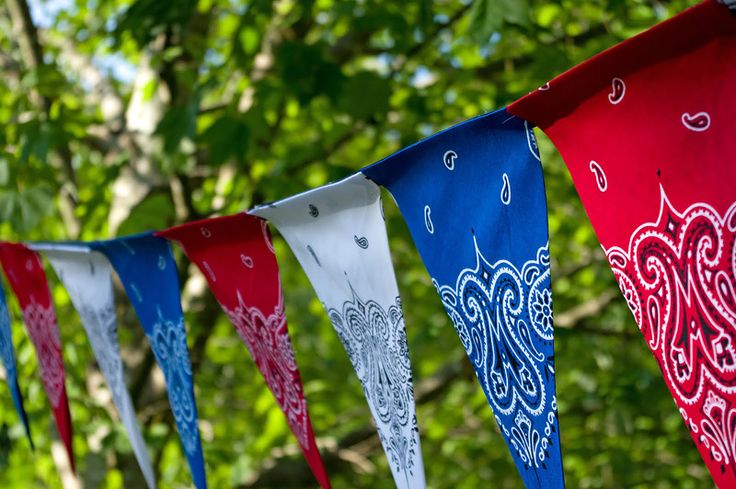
(118, 116)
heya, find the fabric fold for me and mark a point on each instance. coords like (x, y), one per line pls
(87, 277)
(148, 272)
(646, 130)
(24, 270)
(7, 354)
(473, 199)
(338, 235)
(236, 257)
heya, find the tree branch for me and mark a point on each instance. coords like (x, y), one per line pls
(32, 54)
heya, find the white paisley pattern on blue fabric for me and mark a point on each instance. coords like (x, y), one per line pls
(6, 342)
(169, 344)
(375, 341)
(504, 319)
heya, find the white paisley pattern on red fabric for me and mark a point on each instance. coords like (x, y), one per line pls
(267, 340)
(678, 278)
(41, 323)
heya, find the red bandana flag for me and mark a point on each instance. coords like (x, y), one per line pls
(237, 258)
(646, 129)
(27, 278)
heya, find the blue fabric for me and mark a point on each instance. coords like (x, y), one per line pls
(148, 272)
(473, 199)
(7, 354)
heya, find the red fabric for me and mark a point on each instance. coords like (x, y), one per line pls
(27, 278)
(236, 256)
(646, 130)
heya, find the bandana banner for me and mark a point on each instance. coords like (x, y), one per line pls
(7, 354)
(87, 277)
(148, 272)
(646, 129)
(473, 199)
(236, 257)
(338, 235)
(27, 278)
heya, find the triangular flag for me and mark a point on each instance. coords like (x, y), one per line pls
(473, 199)
(646, 130)
(87, 277)
(338, 235)
(27, 278)
(148, 272)
(236, 257)
(7, 354)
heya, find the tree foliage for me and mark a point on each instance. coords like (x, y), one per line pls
(118, 116)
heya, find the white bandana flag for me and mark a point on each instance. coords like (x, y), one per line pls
(87, 277)
(338, 235)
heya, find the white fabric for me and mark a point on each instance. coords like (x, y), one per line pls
(87, 277)
(338, 235)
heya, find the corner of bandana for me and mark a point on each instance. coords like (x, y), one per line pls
(503, 317)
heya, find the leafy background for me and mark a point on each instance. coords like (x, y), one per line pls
(118, 116)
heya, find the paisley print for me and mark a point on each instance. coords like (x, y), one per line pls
(696, 122)
(618, 90)
(677, 276)
(375, 340)
(103, 334)
(41, 324)
(6, 341)
(428, 219)
(449, 159)
(267, 340)
(600, 176)
(168, 340)
(506, 190)
(504, 319)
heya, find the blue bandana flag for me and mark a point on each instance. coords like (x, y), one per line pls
(7, 354)
(148, 272)
(473, 199)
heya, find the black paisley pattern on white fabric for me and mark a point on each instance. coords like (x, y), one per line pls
(504, 319)
(103, 336)
(375, 341)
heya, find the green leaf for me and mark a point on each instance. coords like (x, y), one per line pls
(155, 212)
(25, 209)
(178, 123)
(227, 137)
(7, 204)
(488, 16)
(364, 95)
(4, 171)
